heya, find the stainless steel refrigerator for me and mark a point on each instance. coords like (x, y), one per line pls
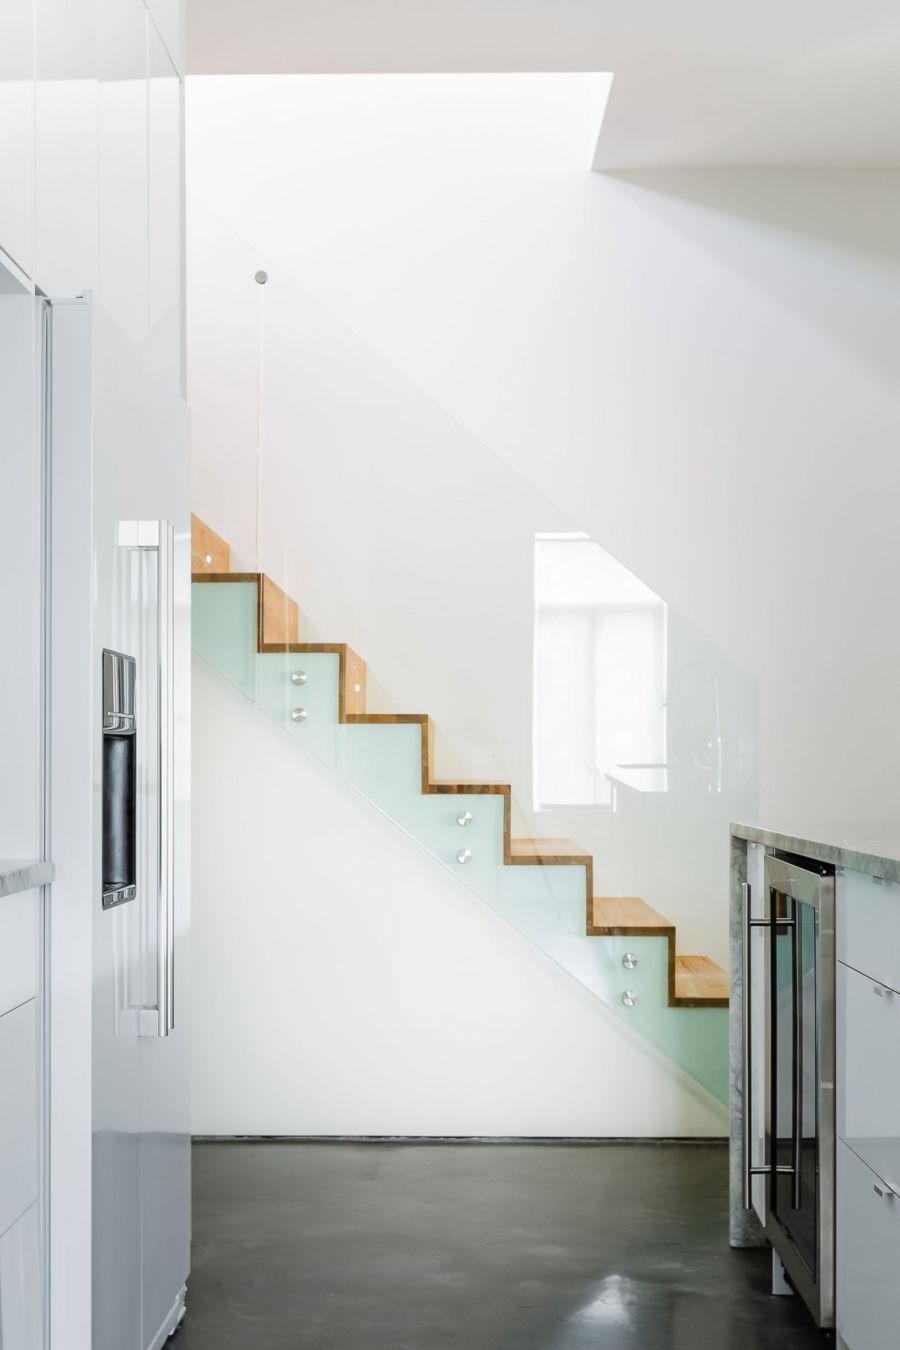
(117, 1164)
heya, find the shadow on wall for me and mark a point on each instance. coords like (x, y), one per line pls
(846, 230)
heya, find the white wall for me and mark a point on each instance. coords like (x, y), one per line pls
(344, 984)
(699, 367)
(91, 193)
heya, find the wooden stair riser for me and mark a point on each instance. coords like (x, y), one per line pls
(209, 551)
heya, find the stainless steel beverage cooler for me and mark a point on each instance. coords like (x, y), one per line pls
(789, 1070)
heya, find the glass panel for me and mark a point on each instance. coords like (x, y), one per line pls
(794, 1035)
(461, 652)
(806, 1229)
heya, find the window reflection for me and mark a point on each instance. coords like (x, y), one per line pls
(599, 675)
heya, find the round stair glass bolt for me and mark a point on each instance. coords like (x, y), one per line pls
(261, 278)
(464, 855)
(629, 998)
(298, 714)
(629, 960)
(464, 818)
(299, 677)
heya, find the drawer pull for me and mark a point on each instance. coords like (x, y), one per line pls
(882, 991)
(885, 1192)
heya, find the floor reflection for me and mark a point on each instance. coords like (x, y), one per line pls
(475, 1247)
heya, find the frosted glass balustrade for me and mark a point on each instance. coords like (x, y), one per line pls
(397, 532)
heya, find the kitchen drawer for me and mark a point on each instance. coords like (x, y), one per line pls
(868, 1256)
(20, 1284)
(868, 1066)
(18, 949)
(868, 926)
(18, 1113)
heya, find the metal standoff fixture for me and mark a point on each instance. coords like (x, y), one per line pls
(464, 818)
(299, 677)
(629, 998)
(298, 714)
(464, 855)
(629, 960)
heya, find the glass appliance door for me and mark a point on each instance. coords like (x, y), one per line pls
(801, 1087)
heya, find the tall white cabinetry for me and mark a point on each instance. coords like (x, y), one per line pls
(868, 1110)
(91, 162)
(22, 835)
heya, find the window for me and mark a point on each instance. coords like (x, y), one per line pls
(599, 675)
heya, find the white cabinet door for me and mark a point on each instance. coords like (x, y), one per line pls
(164, 342)
(122, 183)
(868, 1229)
(18, 949)
(868, 1086)
(18, 1113)
(20, 555)
(868, 926)
(20, 1284)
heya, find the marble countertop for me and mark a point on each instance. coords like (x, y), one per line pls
(872, 847)
(18, 874)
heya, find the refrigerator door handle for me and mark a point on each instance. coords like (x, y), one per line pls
(159, 536)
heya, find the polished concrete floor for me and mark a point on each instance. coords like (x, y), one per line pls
(474, 1247)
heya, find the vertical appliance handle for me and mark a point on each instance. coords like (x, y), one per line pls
(158, 536)
(797, 1011)
(165, 574)
(746, 1069)
(748, 1169)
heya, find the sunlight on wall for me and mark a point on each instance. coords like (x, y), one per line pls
(599, 672)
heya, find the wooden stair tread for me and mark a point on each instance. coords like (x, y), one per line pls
(227, 577)
(548, 851)
(699, 981)
(628, 915)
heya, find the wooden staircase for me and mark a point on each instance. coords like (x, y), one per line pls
(694, 981)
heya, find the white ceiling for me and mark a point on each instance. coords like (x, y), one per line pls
(697, 82)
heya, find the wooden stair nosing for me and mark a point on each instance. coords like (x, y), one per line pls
(227, 577)
(709, 974)
(630, 917)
